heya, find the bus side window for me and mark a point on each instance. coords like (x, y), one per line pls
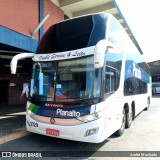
(111, 80)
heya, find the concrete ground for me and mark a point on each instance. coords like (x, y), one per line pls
(12, 119)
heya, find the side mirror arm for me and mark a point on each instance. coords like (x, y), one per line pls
(16, 58)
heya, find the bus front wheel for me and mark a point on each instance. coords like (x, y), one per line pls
(120, 131)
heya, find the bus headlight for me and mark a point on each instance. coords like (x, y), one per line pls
(91, 117)
(29, 112)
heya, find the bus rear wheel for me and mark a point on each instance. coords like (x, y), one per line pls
(129, 117)
(121, 130)
(148, 104)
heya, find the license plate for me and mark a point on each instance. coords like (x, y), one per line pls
(52, 132)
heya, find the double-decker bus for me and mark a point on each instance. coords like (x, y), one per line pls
(88, 80)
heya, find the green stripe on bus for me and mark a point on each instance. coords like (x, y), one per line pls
(149, 80)
(33, 108)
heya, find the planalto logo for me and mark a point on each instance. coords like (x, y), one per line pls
(136, 71)
(72, 113)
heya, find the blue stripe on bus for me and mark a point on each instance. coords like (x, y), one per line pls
(133, 70)
(52, 112)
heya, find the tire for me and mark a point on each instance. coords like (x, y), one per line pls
(129, 118)
(148, 104)
(120, 131)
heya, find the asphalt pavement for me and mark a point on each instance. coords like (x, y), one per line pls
(12, 119)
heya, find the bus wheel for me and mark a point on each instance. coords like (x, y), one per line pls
(148, 104)
(121, 130)
(129, 117)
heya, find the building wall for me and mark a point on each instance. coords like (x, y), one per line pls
(23, 16)
(20, 15)
(15, 85)
(155, 79)
(56, 14)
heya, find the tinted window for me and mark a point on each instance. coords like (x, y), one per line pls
(134, 86)
(112, 79)
(114, 56)
(74, 34)
(112, 71)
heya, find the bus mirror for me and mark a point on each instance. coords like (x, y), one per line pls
(99, 53)
(15, 59)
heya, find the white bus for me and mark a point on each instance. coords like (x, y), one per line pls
(88, 80)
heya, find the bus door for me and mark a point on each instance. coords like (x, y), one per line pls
(111, 76)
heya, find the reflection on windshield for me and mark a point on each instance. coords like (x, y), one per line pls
(65, 81)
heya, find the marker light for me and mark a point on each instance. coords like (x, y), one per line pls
(91, 131)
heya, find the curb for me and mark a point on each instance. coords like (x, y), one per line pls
(14, 136)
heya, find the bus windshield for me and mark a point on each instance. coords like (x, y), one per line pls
(65, 81)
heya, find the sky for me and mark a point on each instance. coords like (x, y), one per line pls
(143, 18)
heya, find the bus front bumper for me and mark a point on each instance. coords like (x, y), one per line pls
(93, 132)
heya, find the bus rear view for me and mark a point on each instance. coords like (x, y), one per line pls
(77, 81)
